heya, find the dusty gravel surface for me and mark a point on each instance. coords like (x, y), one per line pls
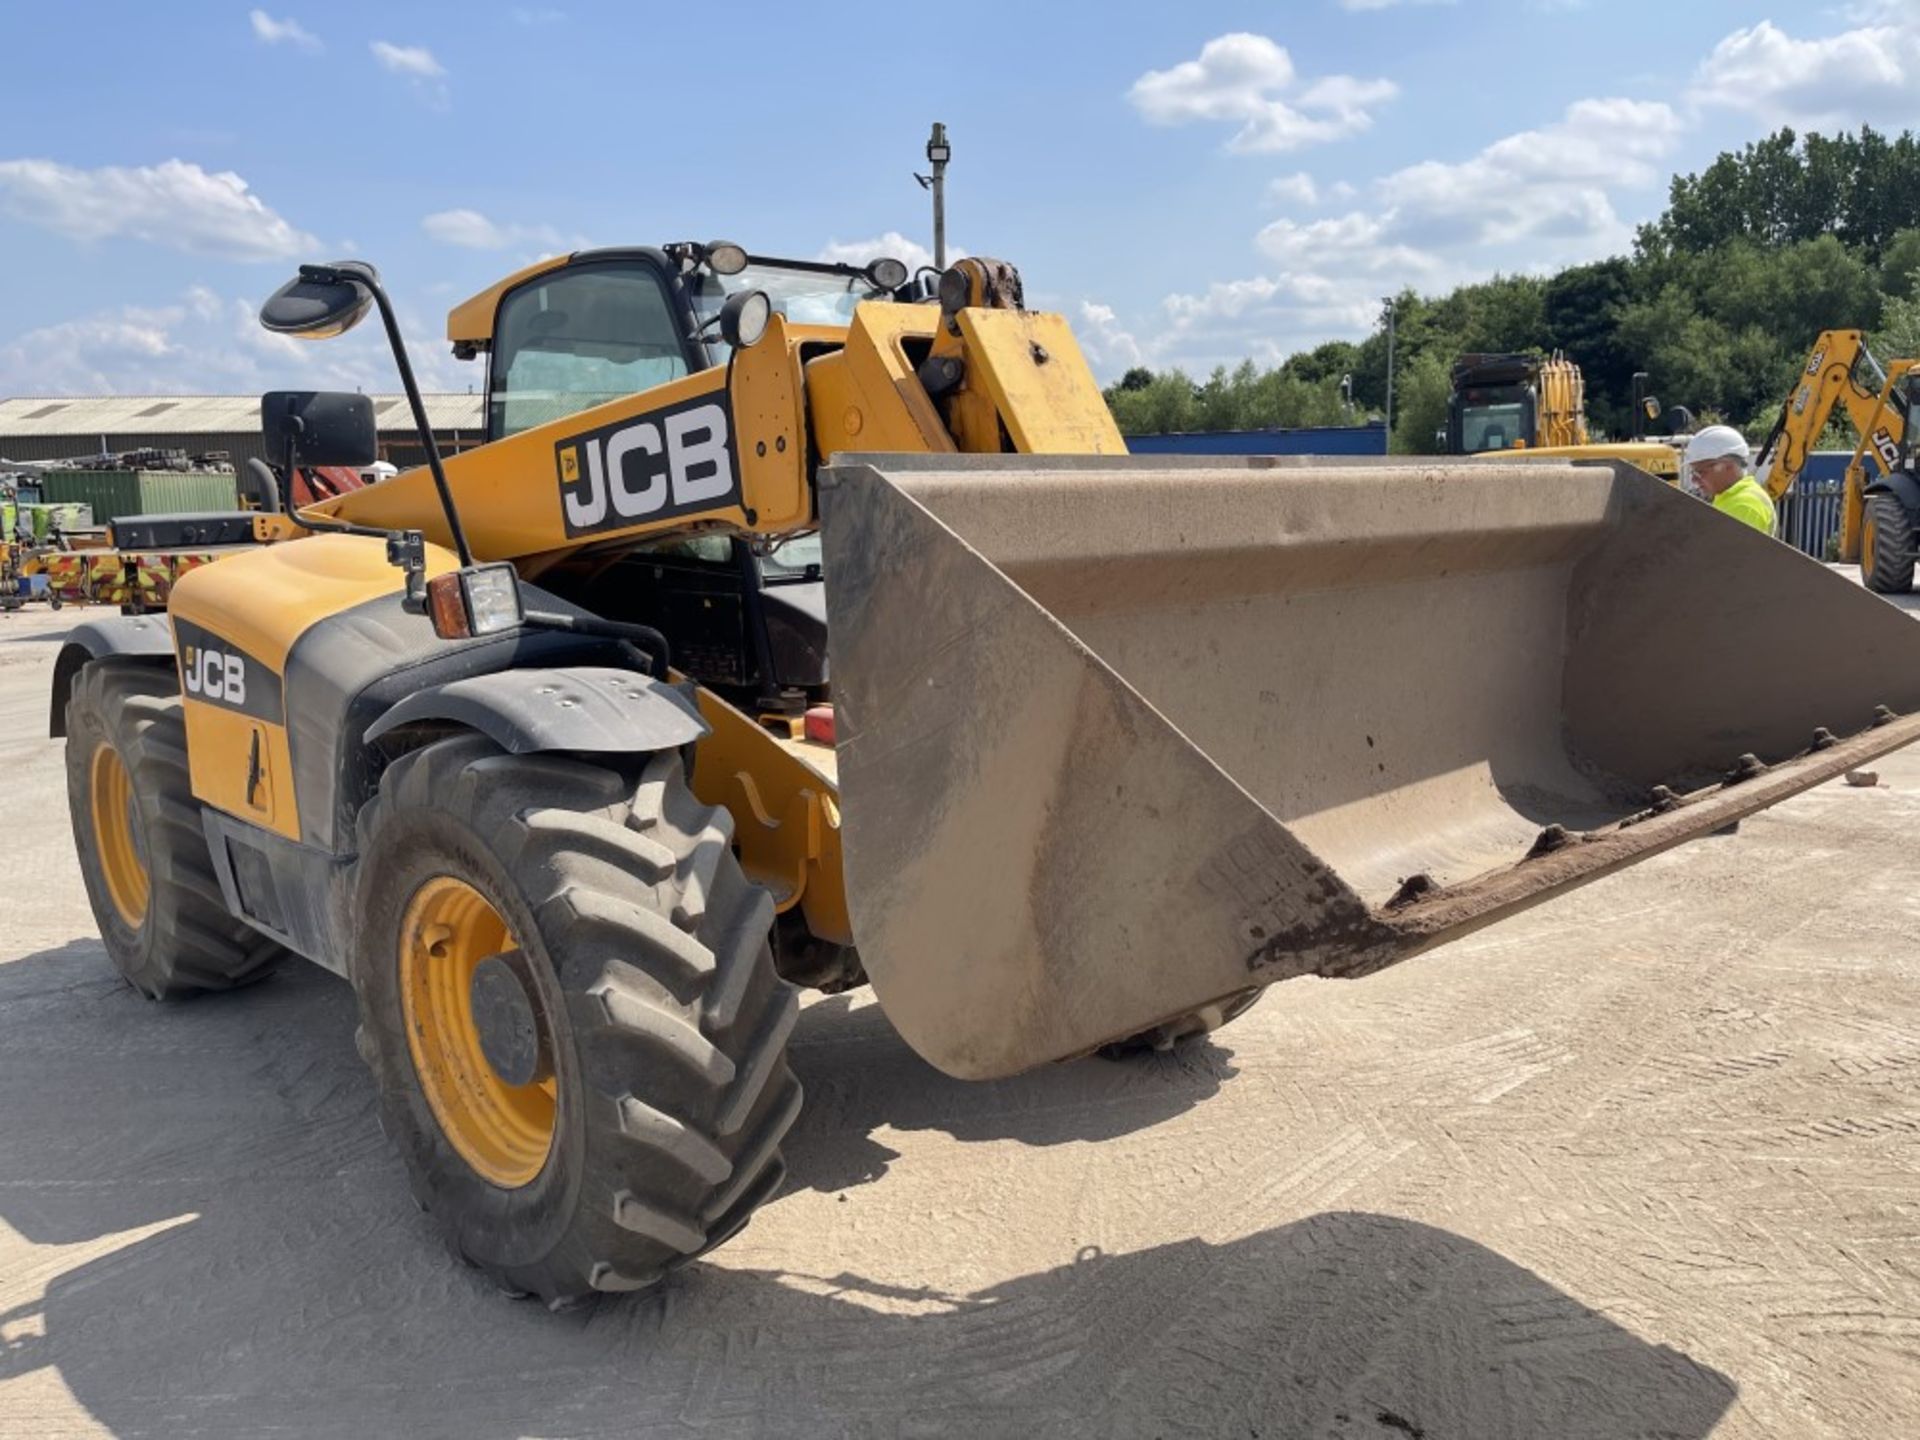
(1641, 1163)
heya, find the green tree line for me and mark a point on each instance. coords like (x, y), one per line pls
(1719, 302)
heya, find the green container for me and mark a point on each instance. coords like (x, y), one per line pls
(69, 517)
(119, 494)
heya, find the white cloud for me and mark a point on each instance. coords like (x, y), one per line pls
(174, 203)
(1250, 80)
(1109, 347)
(471, 230)
(1866, 73)
(1355, 243)
(412, 60)
(1536, 198)
(417, 66)
(1551, 183)
(1265, 317)
(289, 31)
(1296, 189)
(859, 252)
(205, 343)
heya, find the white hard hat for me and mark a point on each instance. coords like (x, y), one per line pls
(1717, 442)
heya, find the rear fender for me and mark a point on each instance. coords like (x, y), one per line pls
(130, 637)
(594, 709)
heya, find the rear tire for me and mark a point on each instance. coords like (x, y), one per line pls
(1887, 550)
(644, 950)
(143, 853)
(1184, 1028)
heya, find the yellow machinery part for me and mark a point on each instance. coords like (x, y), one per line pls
(782, 794)
(1841, 373)
(1655, 457)
(1562, 412)
(252, 607)
(1030, 365)
(864, 396)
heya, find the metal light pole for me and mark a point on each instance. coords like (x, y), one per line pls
(938, 153)
(1388, 302)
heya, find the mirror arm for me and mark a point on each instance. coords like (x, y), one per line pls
(412, 388)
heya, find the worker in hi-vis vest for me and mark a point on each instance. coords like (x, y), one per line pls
(1716, 463)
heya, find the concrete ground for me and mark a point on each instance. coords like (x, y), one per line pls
(1644, 1162)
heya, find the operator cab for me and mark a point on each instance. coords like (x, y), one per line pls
(747, 619)
(1494, 403)
(581, 330)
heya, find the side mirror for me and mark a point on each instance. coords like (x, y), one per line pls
(322, 301)
(319, 427)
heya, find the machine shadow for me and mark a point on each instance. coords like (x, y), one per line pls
(859, 1076)
(221, 1244)
(1341, 1325)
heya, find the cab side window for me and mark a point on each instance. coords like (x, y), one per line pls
(586, 336)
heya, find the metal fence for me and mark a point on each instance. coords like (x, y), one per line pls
(1810, 515)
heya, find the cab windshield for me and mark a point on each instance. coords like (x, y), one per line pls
(805, 294)
(792, 560)
(1491, 427)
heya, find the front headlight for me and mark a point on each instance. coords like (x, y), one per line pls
(493, 598)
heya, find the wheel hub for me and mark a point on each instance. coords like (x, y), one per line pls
(507, 1014)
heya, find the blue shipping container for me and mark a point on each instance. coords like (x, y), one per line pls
(1308, 440)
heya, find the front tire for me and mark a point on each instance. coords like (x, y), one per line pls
(143, 853)
(651, 1030)
(1887, 549)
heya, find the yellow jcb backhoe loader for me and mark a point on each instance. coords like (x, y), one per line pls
(786, 632)
(1879, 517)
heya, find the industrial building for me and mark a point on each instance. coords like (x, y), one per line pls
(50, 427)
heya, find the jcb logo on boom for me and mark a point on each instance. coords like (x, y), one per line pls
(652, 466)
(214, 676)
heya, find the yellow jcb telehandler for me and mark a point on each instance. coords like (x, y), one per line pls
(795, 626)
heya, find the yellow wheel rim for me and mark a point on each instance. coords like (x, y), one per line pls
(503, 1131)
(116, 836)
(1867, 539)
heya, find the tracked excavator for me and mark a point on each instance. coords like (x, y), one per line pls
(1880, 505)
(1525, 404)
(796, 627)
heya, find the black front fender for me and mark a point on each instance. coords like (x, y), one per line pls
(130, 637)
(1898, 482)
(587, 708)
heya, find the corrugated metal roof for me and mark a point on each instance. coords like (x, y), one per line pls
(201, 414)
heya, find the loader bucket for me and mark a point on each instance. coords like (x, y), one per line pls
(1121, 737)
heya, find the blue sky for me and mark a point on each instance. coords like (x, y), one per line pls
(1190, 183)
